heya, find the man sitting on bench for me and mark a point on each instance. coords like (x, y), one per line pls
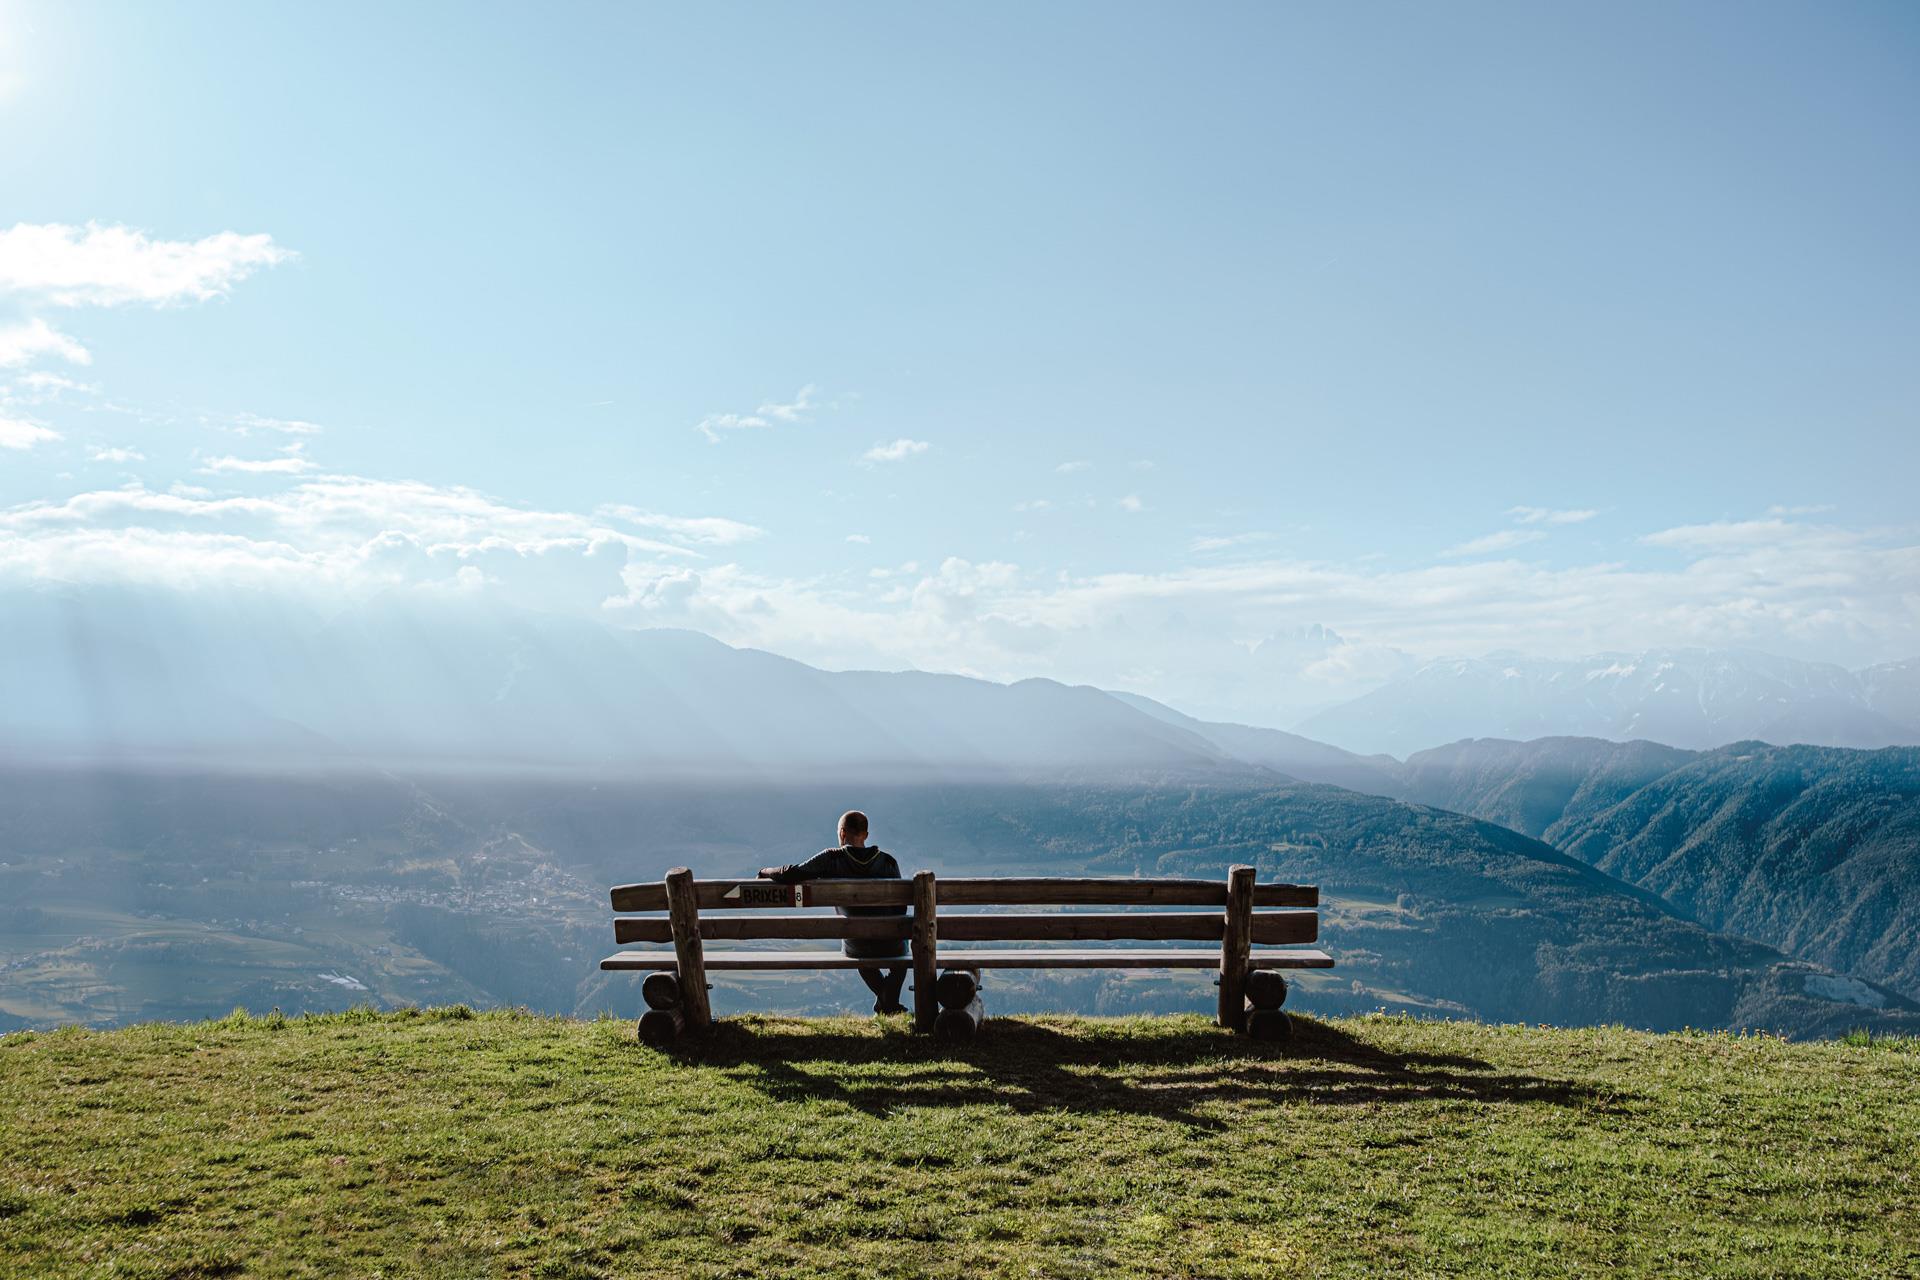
(855, 859)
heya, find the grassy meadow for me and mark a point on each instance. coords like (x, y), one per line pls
(443, 1143)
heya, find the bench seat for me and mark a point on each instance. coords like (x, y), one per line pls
(956, 958)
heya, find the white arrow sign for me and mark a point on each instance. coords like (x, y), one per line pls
(766, 894)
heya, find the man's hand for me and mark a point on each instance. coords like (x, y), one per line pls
(768, 873)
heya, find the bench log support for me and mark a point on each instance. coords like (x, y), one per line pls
(958, 1026)
(1266, 989)
(956, 987)
(684, 911)
(1270, 1025)
(661, 1027)
(661, 990)
(924, 944)
(962, 1011)
(1235, 943)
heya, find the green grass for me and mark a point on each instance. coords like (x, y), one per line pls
(444, 1143)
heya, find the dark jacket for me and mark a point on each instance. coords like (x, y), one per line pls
(849, 863)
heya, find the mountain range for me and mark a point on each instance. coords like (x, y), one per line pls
(1697, 698)
(124, 675)
(129, 678)
(408, 682)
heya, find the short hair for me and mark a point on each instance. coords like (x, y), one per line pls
(854, 822)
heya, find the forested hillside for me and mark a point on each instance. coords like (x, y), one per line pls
(1815, 850)
(1532, 786)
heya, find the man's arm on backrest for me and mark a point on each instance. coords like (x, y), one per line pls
(820, 864)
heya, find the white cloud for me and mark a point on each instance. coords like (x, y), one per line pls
(31, 339)
(1068, 468)
(292, 462)
(248, 423)
(1740, 535)
(1505, 540)
(714, 423)
(42, 385)
(1033, 504)
(18, 433)
(860, 539)
(1229, 540)
(796, 411)
(1818, 508)
(99, 265)
(118, 453)
(895, 451)
(1133, 503)
(799, 409)
(704, 530)
(1546, 515)
(326, 536)
(258, 466)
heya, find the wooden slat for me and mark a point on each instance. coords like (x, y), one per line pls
(711, 895)
(1269, 927)
(984, 958)
(1062, 926)
(1285, 928)
(1118, 891)
(1119, 958)
(767, 925)
(746, 959)
(970, 891)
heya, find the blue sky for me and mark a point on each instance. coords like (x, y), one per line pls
(1103, 342)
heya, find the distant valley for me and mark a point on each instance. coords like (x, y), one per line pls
(141, 895)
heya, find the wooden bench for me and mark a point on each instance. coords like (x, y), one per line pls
(1245, 919)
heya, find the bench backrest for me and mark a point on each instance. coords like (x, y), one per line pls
(753, 898)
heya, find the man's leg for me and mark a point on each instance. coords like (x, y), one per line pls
(885, 985)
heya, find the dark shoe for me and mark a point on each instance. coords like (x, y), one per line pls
(884, 1007)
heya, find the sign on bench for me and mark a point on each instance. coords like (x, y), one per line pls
(1244, 915)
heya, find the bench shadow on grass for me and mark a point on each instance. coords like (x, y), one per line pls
(1031, 1067)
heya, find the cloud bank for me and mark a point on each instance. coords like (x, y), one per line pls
(1268, 638)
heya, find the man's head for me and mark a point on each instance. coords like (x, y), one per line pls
(853, 828)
